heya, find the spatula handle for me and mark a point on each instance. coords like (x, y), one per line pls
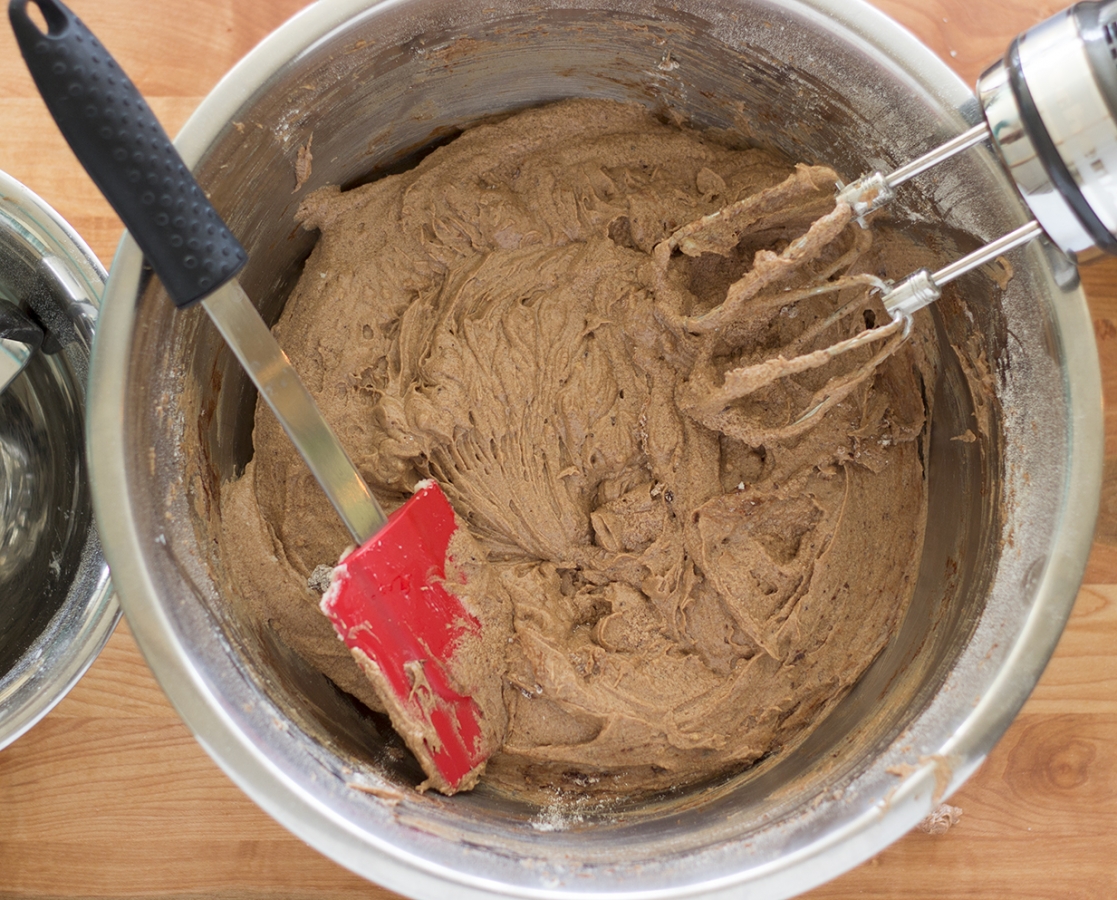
(127, 153)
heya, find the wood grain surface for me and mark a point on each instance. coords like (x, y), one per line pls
(109, 796)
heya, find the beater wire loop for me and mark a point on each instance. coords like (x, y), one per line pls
(775, 353)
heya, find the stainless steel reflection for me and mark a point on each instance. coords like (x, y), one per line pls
(13, 357)
(1049, 206)
(24, 494)
(1012, 512)
(1064, 87)
(56, 604)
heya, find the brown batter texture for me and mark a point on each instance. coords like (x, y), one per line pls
(680, 568)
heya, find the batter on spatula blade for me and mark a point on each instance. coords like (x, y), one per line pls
(404, 627)
(671, 579)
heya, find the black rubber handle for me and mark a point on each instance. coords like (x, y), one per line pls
(127, 153)
(16, 326)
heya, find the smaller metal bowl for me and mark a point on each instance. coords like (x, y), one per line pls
(57, 608)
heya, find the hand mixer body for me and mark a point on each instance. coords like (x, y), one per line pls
(1050, 105)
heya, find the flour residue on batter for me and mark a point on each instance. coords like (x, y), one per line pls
(673, 582)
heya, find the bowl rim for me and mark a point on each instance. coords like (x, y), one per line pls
(312, 820)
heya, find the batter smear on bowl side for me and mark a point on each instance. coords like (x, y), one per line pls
(674, 578)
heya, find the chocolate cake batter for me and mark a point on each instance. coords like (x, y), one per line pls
(680, 569)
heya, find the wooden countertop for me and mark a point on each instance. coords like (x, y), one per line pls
(109, 796)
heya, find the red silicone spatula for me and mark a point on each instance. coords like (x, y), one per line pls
(414, 625)
(388, 602)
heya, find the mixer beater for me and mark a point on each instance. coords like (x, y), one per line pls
(1050, 112)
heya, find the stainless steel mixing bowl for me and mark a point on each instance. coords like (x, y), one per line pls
(1011, 513)
(56, 603)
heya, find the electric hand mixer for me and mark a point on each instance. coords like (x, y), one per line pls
(1050, 108)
